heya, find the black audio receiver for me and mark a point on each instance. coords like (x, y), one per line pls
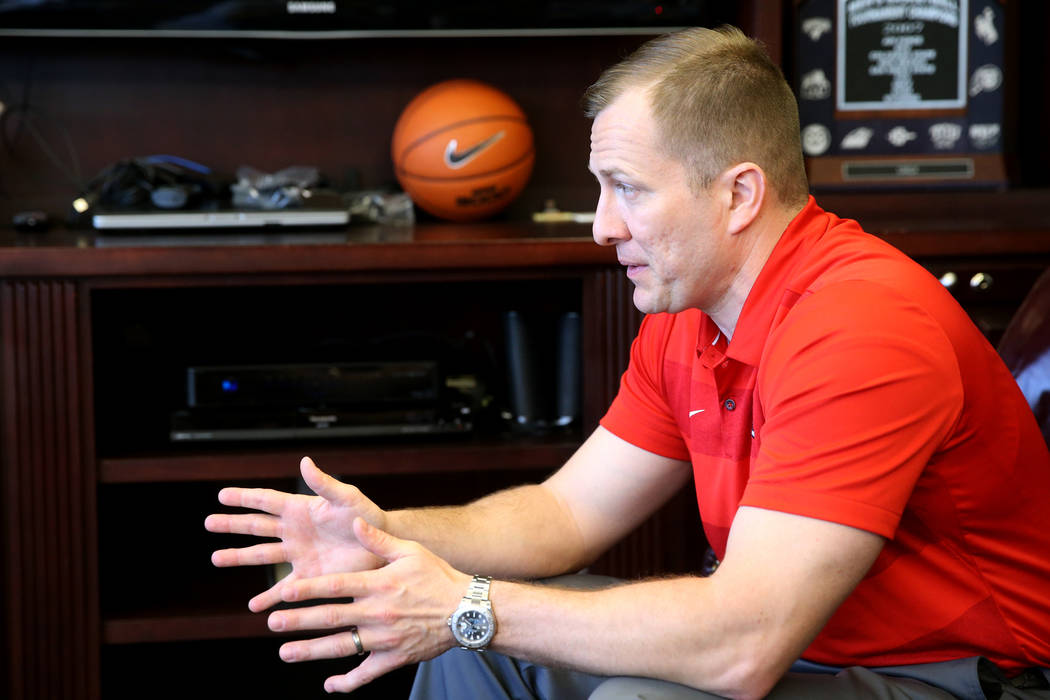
(345, 384)
(318, 400)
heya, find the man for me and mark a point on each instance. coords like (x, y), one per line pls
(867, 471)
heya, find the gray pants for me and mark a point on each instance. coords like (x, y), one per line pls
(466, 675)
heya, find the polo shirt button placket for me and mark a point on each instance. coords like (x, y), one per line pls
(729, 404)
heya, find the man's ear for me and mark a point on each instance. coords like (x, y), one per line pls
(746, 184)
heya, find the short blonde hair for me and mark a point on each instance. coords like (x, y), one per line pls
(718, 100)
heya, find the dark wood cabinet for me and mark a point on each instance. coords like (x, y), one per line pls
(106, 569)
(104, 547)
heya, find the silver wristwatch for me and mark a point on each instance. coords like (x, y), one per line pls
(473, 624)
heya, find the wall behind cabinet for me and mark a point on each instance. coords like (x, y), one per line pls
(76, 106)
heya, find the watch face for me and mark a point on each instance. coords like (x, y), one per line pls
(473, 628)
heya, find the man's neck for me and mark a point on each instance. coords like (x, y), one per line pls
(759, 241)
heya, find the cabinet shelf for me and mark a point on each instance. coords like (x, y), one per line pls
(216, 610)
(937, 223)
(184, 626)
(533, 453)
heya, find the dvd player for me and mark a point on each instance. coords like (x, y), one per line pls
(314, 384)
(293, 401)
(320, 210)
(249, 425)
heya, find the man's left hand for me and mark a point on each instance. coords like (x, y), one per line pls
(400, 610)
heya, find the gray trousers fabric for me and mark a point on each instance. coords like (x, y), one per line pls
(467, 675)
(462, 675)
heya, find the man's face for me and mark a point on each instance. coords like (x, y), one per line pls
(669, 237)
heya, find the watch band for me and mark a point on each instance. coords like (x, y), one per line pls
(479, 588)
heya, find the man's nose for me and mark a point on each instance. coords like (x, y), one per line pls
(609, 227)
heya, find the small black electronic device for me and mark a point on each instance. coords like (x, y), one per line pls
(32, 221)
(313, 384)
(318, 400)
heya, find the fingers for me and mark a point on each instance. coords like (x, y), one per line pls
(346, 585)
(382, 544)
(266, 500)
(269, 598)
(317, 480)
(267, 553)
(250, 524)
(328, 487)
(317, 617)
(378, 661)
(373, 667)
(334, 646)
(274, 502)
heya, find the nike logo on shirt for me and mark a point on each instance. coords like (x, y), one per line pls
(454, 158)
(699, 410)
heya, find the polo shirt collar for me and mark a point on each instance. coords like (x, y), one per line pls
(756, 317)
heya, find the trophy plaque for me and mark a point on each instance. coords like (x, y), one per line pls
(901, 93)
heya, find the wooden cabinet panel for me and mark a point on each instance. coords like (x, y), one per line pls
(48, 476)
(80, 581)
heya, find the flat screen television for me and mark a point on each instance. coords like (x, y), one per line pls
(304, 19)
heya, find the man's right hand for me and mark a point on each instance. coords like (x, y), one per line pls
(315, 533)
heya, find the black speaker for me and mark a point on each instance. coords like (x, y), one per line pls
(522, 392)
(543, 370)
(567, 397)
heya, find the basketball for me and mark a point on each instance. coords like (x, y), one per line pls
(462, 150)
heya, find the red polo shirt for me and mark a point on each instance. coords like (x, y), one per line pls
(856, 390)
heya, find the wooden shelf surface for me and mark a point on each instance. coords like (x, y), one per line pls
(172, 626)
(540, 453)
(941, 223)
(432, 247)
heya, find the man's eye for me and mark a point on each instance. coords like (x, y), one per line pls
(624, 188)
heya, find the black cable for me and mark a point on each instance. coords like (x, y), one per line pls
(74, 176)
(27, 118)
(23, 103)
(7, 98)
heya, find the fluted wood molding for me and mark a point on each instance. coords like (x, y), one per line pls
(670, 541)
(611, 323)
(49, 532)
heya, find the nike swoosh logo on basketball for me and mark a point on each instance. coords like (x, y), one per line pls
(699, 410)
(454, 158)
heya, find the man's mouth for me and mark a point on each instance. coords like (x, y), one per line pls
(633, 268)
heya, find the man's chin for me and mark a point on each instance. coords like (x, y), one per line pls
(645, 303)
